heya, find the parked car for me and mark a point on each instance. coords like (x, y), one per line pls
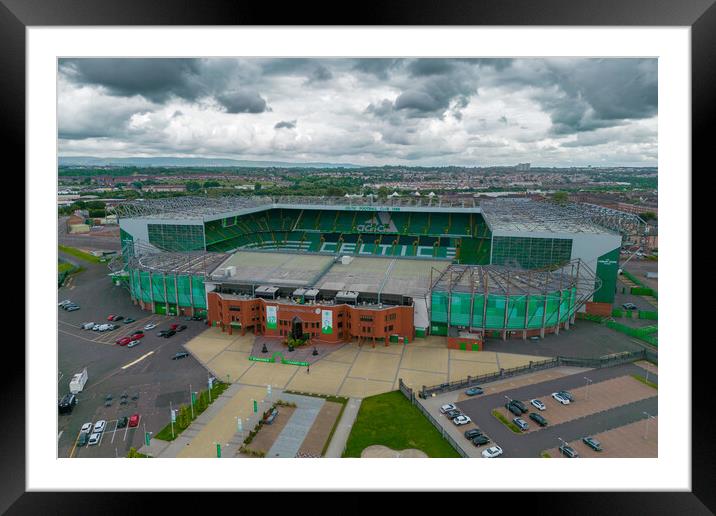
(82, 439)
(122, 422)
(492, 452)
(271, 417)
(629, 306)
(67, 403)
(538, 404)
(110, 317)
(566, 394)
(65, 302)
(473, 391)
(134, 420)
(534, 338)
(132, 343)
(182, 327)
(137, 335)
(480, 440)
(561, 399)
(72, 308)
(87, 326)
(99, 426)
(151, 326)
(521, 424)
(86, 428)
(96, 327)
(592, 443)
(170, 333)
(94, 439)
(124, 341)
(197, 318)
(534, 416)
(118, 317)
(181, 354)
(173, 326)
(452, 414)
(461, 420)
(162, 333)
(447, 408)
(568, 451)
(519, 405)
(128, 320)
(512, 408)
(472, 433)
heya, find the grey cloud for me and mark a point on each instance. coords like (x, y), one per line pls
(320, 74)
(291, 124)
(380, 68)
(243, 102)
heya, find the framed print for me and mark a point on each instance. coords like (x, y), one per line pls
(431, 234)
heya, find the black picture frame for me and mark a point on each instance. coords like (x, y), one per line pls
(16, 15)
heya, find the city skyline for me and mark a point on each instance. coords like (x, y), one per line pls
(422, 112)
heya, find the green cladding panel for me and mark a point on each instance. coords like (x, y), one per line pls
(607, 270)
(176, 237)
(460, 309)
(530, 253)
(438, 307)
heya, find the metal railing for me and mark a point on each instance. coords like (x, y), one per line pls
(594, 363)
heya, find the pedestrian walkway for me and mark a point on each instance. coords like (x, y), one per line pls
(343, 429)
(291, 437)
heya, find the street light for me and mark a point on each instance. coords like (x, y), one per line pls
(588, 382)
(648, 417)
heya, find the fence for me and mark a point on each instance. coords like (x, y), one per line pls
(594, 363)
(408, 393)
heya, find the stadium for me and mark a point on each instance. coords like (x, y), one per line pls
(338, 269)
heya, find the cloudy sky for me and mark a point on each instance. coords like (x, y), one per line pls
(474, 112)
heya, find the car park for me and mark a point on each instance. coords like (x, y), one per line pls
(492, 452)
(561, 399)
(566, 394)
(538, 404)
(94, 439)
(480, 440)
(447, 408)
(473, 391)
(521, 424)
(122, 422)
(124, 341)
(181, 354)
(592, 443)
(133, 420)
(99, 426)
(150, 326)
(534, 416)
(568, 451)
(82, 439)
(86, 428)
(461, 420)
(472, 433)
(513, 408)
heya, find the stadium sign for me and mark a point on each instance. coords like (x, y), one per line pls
(607, 261)
(327, 321)
(373, 228)
(271, 317)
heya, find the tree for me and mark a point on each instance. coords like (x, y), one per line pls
(193, 186)
(257, 187)
(560, 197)
(648, 215)
(383, 192)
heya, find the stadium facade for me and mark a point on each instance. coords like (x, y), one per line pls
(339, 269)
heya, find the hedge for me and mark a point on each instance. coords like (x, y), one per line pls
(643, 291)
(651, 316)
(617, 313)
(633, 278)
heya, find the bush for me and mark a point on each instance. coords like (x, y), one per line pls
(509, 424)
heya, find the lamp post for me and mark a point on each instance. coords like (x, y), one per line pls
(646, 429)
(588, 383)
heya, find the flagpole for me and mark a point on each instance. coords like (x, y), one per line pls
(191, 400)
(171, 417)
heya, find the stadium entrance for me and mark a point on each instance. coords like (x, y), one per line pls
(297, 328)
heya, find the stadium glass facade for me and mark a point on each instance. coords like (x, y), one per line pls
(530, 253)
(171, 294)
(176, 237)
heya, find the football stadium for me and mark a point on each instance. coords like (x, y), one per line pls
(342, 269)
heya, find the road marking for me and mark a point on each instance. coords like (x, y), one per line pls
(59, 435)
(125, 432)
(138, 360)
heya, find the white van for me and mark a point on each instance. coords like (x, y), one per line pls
(104, 327)
(88, 326)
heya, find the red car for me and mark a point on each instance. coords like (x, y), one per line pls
(134, 420)
(137, 336)
(124, 341)
(110, 317)
(174, 326)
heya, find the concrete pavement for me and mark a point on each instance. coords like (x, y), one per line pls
(343, 429)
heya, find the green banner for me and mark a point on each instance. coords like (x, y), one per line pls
(327, 321)
(271, 319)
(607, 268)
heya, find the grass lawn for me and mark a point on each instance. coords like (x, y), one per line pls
(389, 419)
(64, 267)
(80, 254)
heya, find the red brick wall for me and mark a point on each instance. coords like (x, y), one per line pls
(603, 309)
(348, 321)
(454, 342)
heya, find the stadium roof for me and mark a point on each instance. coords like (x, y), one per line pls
(529, 216)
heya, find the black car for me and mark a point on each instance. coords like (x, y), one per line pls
(83, 438)
(566, 394)
(118, 318)
(452, 414)
(534, 416)
(122, 422)
(568, 451)
(480, 440)
(181, 328)
(67, 403)
(520, 405)
(161, 333)
(197, 318)
(181, 354)
(138, 332)
(513, 408)
(592, 443)
(169, 333)
(472, 433)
